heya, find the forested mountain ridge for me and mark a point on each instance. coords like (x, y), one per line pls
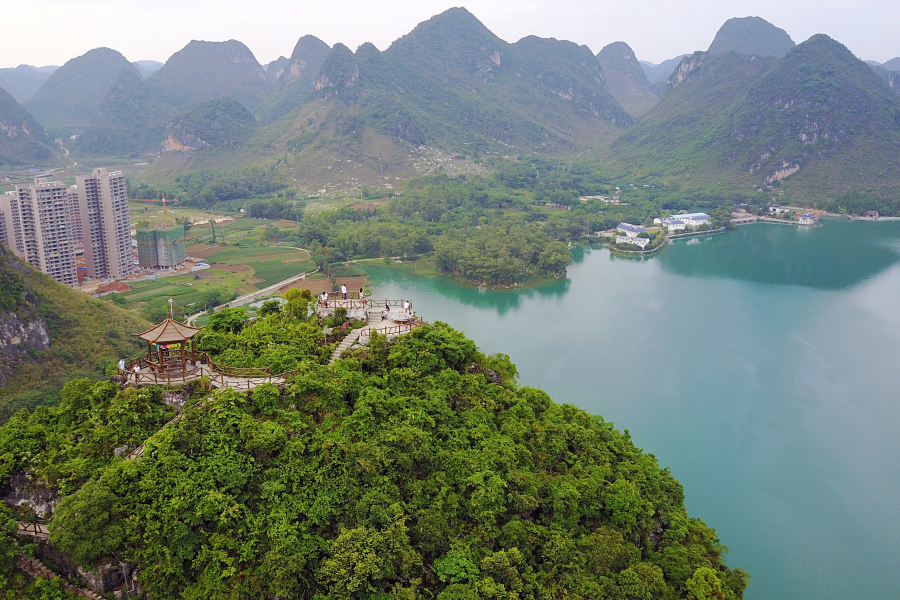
(817, 122)
(294, 78)
(626, 80)
(130, 120)
(70, 98)
(222, 123)
(203, 71)
(751, 35)
(450, 88)
(50, 332)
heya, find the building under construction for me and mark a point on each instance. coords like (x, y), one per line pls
(161, 248)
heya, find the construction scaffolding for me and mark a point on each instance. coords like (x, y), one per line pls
(161, 248)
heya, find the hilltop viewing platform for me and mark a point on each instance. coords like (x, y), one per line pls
(172, 357)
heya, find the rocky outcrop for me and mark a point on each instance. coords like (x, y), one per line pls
(686, 70)
(20, 335)
(340, 72)
(24, 492)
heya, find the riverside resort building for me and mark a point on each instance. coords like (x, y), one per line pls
(628, 234)
(682, 222)
(40, 221)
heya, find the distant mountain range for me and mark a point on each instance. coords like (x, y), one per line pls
(24, 81)
(818, 119)
(454, 90)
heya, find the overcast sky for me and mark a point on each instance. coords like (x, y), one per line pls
(42, 32)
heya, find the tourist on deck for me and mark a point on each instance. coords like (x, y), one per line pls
(344, 291)
(406, 306)
(121, 365)
(326, 299)
(386, 312)
(362, 294)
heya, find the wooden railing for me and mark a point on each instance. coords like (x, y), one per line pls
(168, 378)
(380, 303)
(34, 530)
(242, 372)
(341, 303)
(390, 330)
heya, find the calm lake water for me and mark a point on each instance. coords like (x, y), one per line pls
(761, 366)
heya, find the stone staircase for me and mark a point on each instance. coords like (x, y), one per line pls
(37, 569)
(353, 336)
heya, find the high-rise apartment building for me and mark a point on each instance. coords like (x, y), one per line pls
(105, 224)
(36, 228)
(8, 225)
(73, 213)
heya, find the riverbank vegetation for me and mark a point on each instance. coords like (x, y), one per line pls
(418, 468)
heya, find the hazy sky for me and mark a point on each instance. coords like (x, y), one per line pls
(41, 32)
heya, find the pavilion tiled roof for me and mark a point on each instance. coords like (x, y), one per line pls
(168, 332)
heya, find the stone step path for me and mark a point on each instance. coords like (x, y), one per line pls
(353, 337)
(37, 569)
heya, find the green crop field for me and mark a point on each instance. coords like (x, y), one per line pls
(261, 266)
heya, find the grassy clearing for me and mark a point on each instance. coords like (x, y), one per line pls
(153, 214)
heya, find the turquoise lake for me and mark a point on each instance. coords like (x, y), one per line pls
(762, 366)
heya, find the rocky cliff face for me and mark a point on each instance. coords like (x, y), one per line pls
(19, 336)
(686, 70)
(22, 139)
(23, 330)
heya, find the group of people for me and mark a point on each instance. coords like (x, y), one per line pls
(406, 312)
(323, 297)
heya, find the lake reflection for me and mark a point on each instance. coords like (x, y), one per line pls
(838, 255)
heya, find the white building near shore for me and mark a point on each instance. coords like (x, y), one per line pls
(626, 233)
(682, 222)
(807, 218)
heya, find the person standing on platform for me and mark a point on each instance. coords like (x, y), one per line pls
(344, 291)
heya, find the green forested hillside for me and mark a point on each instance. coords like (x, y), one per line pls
(61, 332)
(222, 123)
(417, 469)
(818, 123)
(130, 121)
(204, 71)
(677, 136)
(751, 35)
(22, 139)
(824, 112)
(72, 95)
(450, 86)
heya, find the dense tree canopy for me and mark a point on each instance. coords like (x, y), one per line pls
(416, 469)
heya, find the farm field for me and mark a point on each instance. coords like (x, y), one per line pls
(234, 271)
(152, 213)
